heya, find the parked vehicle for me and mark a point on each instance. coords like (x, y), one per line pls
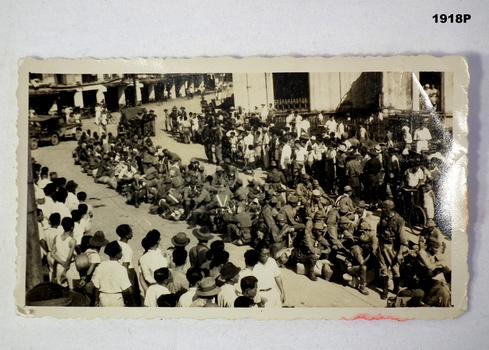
(51, 128)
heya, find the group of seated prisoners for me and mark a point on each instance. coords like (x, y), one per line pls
(327, 207)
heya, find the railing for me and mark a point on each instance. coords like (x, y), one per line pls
(299, 104)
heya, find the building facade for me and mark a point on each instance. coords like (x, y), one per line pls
(49, 93)
(355, 93)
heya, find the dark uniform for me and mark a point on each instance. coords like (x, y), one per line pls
(392, 242)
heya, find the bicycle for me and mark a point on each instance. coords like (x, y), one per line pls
(112, 118)
(414, 212)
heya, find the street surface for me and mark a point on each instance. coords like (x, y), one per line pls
(110, 210)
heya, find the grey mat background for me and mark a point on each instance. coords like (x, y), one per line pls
(183, 28)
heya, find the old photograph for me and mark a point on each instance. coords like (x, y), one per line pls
(267, 188)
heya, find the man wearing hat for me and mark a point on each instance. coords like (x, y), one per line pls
(239, 224)
(290, 212)
(344, 203)
(362, 214)
(92, 253)
(227, 295)
(432, 272)
(433, 232)
(219, 178)
(197, 253)
(178, 241)
(361, 254)
(191, 192)
(393, 243)
(207, 290)
(266, 225)
(372, 170)
(275, 176)
(152, 121)
(354, 171)
(341, 159)
(314, 246)
(279, 235)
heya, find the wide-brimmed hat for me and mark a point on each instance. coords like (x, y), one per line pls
(361, 204)
(342, 148)
(347, 189)
(229, 270)
(48, 294)
(316, 193)
(180, 240)
(207, 288)
(202, 234)
(98, 240)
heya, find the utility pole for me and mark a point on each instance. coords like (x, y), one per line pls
(33, 266)
(134, 83)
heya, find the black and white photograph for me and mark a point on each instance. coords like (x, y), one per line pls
(269, 188)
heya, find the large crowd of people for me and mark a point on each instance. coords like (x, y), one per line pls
(334, 204)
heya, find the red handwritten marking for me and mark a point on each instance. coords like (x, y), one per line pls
(369, 317)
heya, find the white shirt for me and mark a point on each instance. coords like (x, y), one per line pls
(301, 154)
(43, 182)
(305, 125)
(285, 156)
(111, 277)
(414, 179)
(187, 298)
(61, 208)
(331, 126)
(49, 235)
(266, 274)
(126, 254)
(72, 202)
(150, 262)
(153, 293)
(227, 296)
(78, 232)
(242, 274)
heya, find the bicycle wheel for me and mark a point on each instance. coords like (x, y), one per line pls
(418, 217)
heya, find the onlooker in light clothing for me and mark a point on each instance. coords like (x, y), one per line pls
(194, 276)
(162, 277)
(227, 295)
(112, 286)
(152, 259)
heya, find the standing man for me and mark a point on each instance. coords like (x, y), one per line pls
(422, 136)
(372, 177)
(152, 123)
(264, 113)
(268, 274)
(392, 244)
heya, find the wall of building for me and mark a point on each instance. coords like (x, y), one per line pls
(447, 92)
(252, 89)
(397, 90)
